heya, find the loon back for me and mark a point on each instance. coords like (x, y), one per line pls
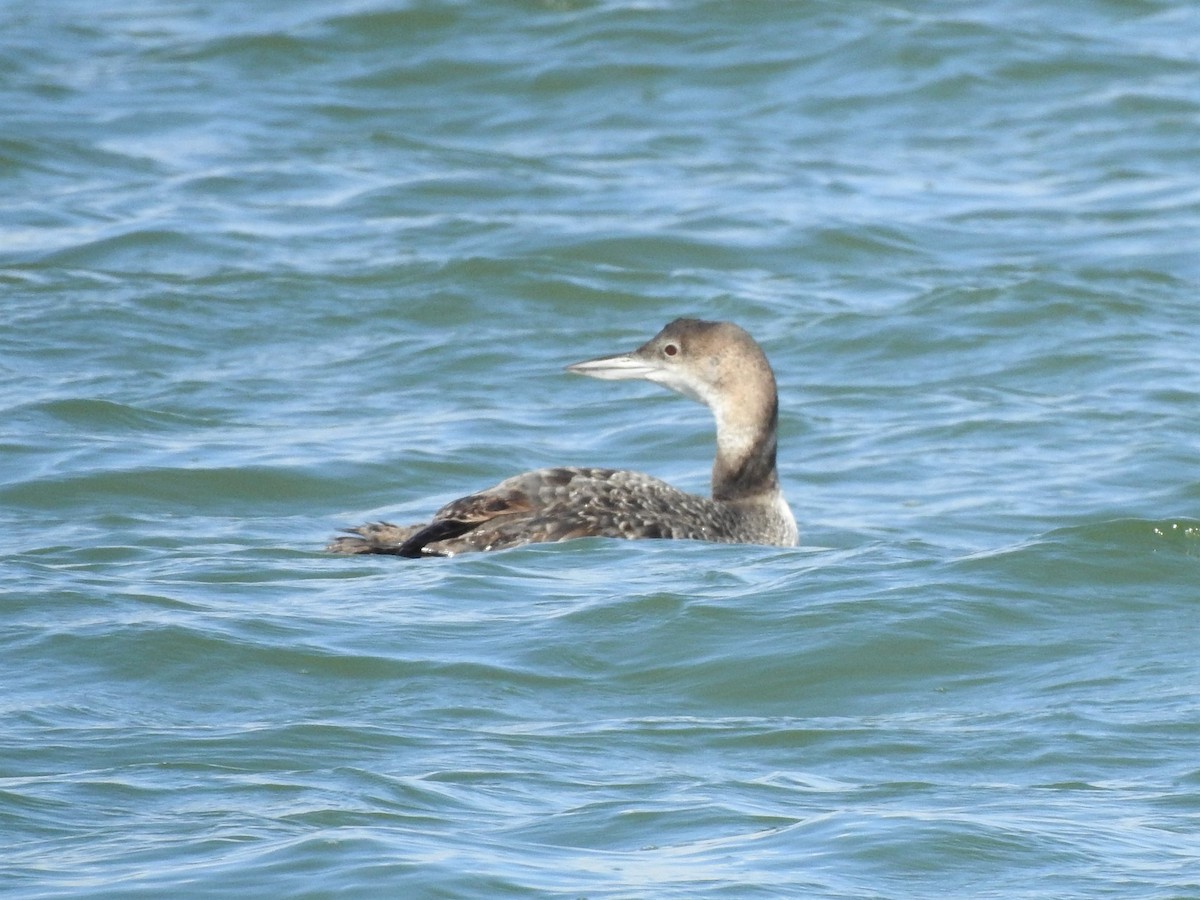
(716, 363)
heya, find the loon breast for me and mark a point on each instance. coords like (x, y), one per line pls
(716, 363)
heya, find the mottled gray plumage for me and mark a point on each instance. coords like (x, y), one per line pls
(716, 363)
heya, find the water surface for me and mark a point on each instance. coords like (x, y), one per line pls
(268, 273)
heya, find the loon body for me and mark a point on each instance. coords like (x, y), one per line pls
(716, 363)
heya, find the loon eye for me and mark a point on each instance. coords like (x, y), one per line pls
(670, 350)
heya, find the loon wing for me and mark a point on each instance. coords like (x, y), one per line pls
(506, 500)
(555, 504)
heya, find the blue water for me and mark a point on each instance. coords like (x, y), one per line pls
(270, 272)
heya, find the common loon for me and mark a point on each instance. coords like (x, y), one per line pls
(716, 363)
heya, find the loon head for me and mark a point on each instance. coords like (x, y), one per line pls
(716, 363)
(720, 365)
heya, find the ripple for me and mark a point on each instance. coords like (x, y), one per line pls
(274, 271)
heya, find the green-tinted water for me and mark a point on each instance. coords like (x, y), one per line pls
(264, 274)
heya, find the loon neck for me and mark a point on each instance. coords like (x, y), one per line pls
(745, 465)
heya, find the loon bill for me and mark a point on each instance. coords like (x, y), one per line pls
(716, 363)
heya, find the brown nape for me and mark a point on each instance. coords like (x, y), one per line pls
(753, 475)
